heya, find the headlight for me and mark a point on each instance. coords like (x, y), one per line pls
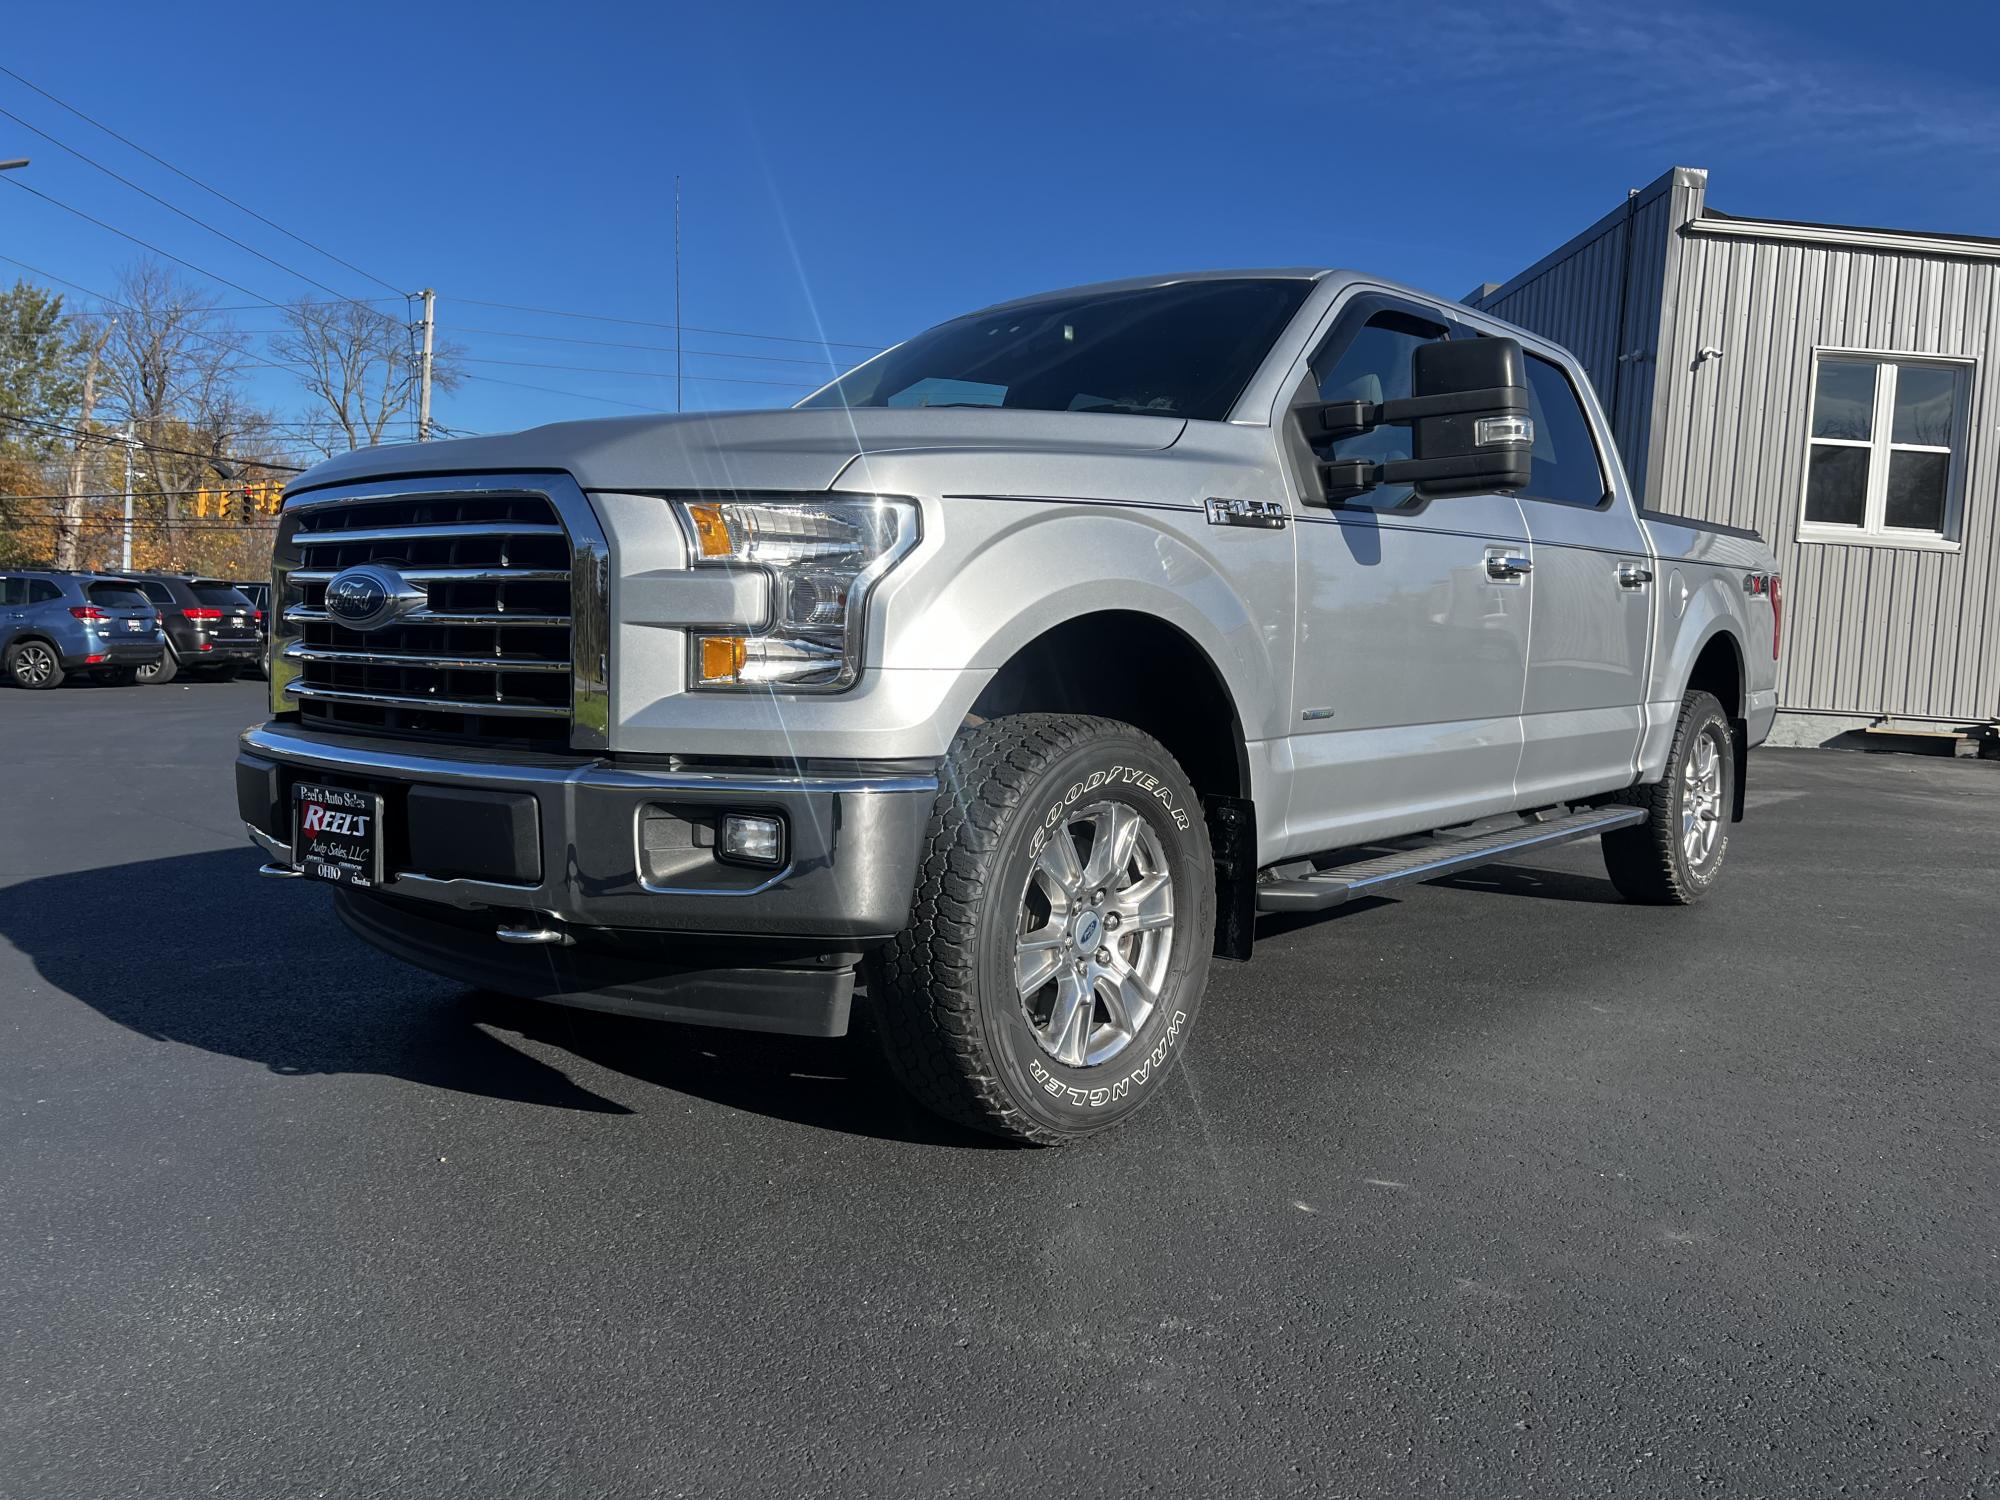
(824, 554)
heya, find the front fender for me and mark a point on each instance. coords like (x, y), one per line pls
(1011, 570)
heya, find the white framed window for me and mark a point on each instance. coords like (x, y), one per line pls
(1884, 448)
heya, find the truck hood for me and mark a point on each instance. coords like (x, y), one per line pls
(749, 450)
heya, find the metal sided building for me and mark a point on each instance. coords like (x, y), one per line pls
(1829, 387)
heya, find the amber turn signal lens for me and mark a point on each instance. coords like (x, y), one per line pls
(711, 530)
(722, 657)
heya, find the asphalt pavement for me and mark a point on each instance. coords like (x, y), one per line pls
(1500, 1186)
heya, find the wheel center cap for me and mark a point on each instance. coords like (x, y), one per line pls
(1087, 929)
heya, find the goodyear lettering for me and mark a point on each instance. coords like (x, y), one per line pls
(1132, 776)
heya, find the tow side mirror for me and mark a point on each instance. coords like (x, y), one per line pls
(1468, 417)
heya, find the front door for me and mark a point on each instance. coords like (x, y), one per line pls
(1412, 626)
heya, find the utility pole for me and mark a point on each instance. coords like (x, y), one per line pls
(678, 406)
(424, 368)
(125, 551)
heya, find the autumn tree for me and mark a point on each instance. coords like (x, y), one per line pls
(360, 367)
(42, 359)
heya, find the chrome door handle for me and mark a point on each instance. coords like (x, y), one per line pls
(1503, 567)
(1633, 576)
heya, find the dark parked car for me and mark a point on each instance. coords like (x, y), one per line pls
(211, 628)
(259, 594)
(56, 625)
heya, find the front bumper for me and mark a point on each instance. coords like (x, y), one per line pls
(608, 859)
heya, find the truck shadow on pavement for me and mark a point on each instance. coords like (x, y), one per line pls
(197, 950)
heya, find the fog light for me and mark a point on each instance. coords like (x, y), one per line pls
(751, 840)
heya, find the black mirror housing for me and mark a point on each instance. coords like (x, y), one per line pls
(1471, 432)
(1481, 438)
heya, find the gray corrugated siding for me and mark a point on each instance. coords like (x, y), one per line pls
(1572, 297)
(1868, 630)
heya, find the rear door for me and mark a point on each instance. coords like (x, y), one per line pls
(13, 607)
(1412, 633)
(1587, 650)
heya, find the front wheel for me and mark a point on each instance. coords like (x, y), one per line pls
(1059, 942)
(1673, 858)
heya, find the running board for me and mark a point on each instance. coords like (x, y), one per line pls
(1368, 876)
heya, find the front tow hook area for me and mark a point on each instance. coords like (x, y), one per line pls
(543, 934)
(280, 872)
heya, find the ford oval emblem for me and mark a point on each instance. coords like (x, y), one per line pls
(370, 595)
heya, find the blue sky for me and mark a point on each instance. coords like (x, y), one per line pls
(856, 172)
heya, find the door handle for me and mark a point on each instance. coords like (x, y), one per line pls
(1504, 567)
(1633, 576)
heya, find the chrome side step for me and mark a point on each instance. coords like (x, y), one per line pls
(1369, 876)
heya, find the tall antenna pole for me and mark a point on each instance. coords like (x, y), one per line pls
(424, 368)
(678, 406)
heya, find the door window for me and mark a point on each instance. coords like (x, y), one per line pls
(1565, 468)
(41, 591)
(13, 591)
(1373, 364)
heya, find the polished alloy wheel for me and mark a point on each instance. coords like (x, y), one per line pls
(34, 664)
(1701, 798)
(1095, 934)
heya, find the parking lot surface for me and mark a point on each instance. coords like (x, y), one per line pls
(1498, 1187)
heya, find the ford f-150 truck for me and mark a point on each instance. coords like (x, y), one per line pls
(1011, 674)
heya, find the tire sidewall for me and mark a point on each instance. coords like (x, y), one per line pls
(1699, 879)
(1079, 1101)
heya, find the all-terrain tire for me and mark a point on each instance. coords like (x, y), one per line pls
(958, 1028)
(1653, 863)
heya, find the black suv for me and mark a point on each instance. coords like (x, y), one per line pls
(211, 628)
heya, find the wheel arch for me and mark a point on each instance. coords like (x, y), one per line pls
(1172, 689)
(1719, 670)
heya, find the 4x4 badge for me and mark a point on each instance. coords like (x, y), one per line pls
(1267, 515)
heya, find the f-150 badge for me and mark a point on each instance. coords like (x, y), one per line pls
(1268, 515)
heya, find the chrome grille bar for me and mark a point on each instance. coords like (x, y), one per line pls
(449, 532)
(298, 651)
(318, 694)
(449, 575)
(299, 614)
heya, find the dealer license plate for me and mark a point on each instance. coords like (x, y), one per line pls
(337, 834)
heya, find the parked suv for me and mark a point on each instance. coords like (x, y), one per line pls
(211, 628)
(57, 625)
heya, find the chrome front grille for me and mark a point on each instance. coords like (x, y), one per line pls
(489, 654)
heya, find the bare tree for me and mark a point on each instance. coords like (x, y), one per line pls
(359, 366)
(174, 363)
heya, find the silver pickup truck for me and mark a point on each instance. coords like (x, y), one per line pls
(1012, 674)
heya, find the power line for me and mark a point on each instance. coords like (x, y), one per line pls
(174, 208)
(525, 364)
(780, 338)
(556, 338)
(84, 435)
(189, 176)
(13, 180)
(579, 395)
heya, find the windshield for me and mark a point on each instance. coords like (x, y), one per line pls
(1184, 350)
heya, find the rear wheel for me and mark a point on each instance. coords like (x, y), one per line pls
(164, 670)
(1674, 857)
(33, 664)
(1059, 942)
